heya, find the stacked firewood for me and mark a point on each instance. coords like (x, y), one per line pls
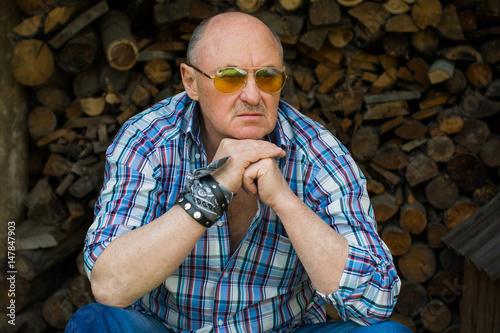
(409, 86)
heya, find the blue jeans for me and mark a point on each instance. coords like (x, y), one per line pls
(101, 318)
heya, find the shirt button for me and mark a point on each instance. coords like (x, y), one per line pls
(219, 223)
(221, 322)
(197, 155)
(226, 274)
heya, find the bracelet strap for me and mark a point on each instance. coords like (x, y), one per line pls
(186, 201)
(216, 190)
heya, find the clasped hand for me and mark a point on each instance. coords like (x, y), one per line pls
(253, 168)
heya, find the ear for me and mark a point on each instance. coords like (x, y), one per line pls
(188, 75)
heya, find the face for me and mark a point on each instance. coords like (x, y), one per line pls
(249, 113)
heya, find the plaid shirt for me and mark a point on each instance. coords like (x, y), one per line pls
(262, 287)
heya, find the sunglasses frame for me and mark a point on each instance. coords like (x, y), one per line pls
(246, 80)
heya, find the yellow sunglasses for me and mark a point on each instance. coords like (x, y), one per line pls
(228, 80)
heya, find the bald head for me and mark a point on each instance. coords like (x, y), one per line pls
(232, 25)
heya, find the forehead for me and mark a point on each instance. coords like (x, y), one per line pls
(239, 41)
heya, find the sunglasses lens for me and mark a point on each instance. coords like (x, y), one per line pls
(271, 80)
(228, 80)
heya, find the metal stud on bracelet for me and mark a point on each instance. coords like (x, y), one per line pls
(189, 207)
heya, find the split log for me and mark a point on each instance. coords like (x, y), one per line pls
(411, 129)
(401, 23)
(314, 38)
(427, 13)
(385, 176)
(461, 52)
(484, 194)
(119, 45)
(490, 51)
(467, 171)
(397, 240)
(340, 36)
(93, 106)
(29, 26)
(436, 316)
(449, 25)
(250, 6)
(372, 15)
(158, 71)
(450, 121)
(440, 148)
(57, 18)
(386, 110)
(41, 122)
(441, 70)
(32, 62)
(457, 83)
(43, 205)
(324, 12)
(396, 7)
(473, 135)
(420, 169)
(56, 166)
(442, 192)
(459, 212)
(479, 74)
(384, 207)
(418, 264)
(412, 299)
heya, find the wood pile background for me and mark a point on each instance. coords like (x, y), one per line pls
(411, 87)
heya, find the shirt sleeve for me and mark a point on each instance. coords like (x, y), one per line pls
(131, 196)
(369, 286)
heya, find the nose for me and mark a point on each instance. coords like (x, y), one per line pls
(251, 93)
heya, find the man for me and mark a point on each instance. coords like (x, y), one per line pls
(257, 241)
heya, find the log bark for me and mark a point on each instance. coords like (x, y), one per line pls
(118, 42)
(80, 52)
(391, 157)
(324, 12)
(58, 309)
(489, 153)
(43, 205)
(425, 41)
